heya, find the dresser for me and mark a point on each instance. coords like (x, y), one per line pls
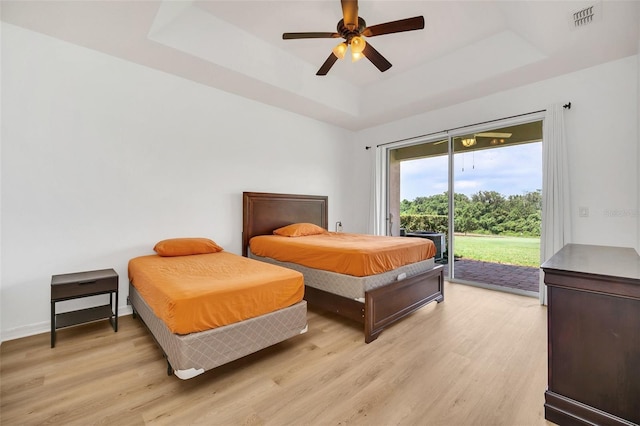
(593, 335)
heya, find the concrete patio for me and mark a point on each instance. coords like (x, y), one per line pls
(515, 277)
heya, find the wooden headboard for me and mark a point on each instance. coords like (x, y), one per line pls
(262, 212)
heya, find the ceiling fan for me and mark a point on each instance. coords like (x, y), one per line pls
(352, 28)
(496, 138)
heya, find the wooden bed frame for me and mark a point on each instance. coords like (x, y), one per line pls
(383, 306)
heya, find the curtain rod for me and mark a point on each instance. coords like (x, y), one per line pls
(566, 106)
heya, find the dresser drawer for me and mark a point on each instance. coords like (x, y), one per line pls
(83, 284)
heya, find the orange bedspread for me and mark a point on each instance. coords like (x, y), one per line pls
(204, 291)
(351, 254)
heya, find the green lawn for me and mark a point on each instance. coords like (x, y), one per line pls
(509, 250)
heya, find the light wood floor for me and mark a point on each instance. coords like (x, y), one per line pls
(479, 358)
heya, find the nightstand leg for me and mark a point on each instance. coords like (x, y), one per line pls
(115, 313)
(53, 324)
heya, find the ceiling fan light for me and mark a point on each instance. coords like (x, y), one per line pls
(357, 44)
(468, 142)
(340, 50)
(356, 56)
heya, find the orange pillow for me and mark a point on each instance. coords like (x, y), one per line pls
(300, 230)
(186, 246)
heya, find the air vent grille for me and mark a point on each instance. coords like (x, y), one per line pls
(586, 15)
(583, 17)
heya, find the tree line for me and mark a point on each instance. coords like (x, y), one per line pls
(486, 212)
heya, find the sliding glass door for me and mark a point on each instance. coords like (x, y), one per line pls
(475, 192)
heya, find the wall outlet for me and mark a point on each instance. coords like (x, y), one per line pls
(583, 211)
(338, 226)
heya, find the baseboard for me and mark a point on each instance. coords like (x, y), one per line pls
(45, 327)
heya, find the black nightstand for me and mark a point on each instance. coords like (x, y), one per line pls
(83, 284)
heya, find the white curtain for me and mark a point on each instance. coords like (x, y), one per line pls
(375, 192)
(556, 213)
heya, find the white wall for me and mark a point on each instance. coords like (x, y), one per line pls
(602, 132)
(101, 158)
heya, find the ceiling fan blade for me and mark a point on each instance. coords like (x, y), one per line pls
(409, 24)
(493, 135)
(324, 69)
(376, 58)
(292, 36)
(350, 13)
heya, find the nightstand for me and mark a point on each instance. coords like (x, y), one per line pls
(83, 284)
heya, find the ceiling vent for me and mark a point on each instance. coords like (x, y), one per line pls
(585, 16)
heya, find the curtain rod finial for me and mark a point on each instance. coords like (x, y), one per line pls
(367, 147)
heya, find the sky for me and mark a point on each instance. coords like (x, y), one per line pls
(509, 170)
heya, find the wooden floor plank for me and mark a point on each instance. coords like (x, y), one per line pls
(477, 358)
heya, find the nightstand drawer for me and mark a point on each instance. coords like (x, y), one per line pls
(68, 286)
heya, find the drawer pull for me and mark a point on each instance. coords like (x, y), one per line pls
(87, 282)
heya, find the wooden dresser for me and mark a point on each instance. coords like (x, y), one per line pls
(593, 335)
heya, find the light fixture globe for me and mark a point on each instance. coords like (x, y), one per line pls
(468, 142)
(357, 44)
(340, 50)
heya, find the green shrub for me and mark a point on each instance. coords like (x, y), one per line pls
(422, 222)
(486, 212)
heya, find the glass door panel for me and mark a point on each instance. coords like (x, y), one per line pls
(497, 181)
(418, 193)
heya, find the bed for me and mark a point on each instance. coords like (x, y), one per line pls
(207, 307)
(392, 296)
